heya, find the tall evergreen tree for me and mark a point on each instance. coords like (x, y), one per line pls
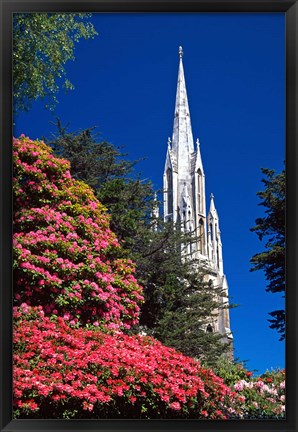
(272, 228)
(92, 160)
(106, 169)
(178, 299)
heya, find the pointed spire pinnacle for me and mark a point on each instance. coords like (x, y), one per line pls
(212, 205)
(182, 133)
(155, 208)
(212, 210)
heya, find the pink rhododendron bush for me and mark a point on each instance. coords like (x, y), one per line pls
(67, 372)
(66, 257)
(263, 396)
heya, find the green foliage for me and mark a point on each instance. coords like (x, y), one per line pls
(231, 371)
(42, 44)
(272, 227)
(129, 202)
(274, 376)
(93, 161)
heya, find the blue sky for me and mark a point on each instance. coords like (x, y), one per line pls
(125, 84)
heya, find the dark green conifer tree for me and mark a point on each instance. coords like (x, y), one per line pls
(105, 168)
(272, 228)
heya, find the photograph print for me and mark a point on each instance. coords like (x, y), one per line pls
(149, 216)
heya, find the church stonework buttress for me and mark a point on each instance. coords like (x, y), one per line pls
(185, 202)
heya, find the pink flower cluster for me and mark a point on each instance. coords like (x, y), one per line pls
(66, 257)
(263, 395)
(100, 376)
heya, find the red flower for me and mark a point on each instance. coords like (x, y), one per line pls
(175, 406)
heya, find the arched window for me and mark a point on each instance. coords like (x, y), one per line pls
(199, 202)
(200, 190)
(184, 220)
(209, 328)
(211, 231)
(170, 190)
(201, 235)
(193, 191)
(189, 221)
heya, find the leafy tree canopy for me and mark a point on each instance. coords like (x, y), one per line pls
(272, 228)
(42, 44)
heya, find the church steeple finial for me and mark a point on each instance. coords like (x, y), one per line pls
(182, 140)
(212, 205)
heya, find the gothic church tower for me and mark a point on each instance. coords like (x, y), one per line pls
(185, 201)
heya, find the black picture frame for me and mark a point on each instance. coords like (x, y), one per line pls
(8, 7)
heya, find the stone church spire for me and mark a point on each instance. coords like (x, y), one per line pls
(184, 179)
(185, 202)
